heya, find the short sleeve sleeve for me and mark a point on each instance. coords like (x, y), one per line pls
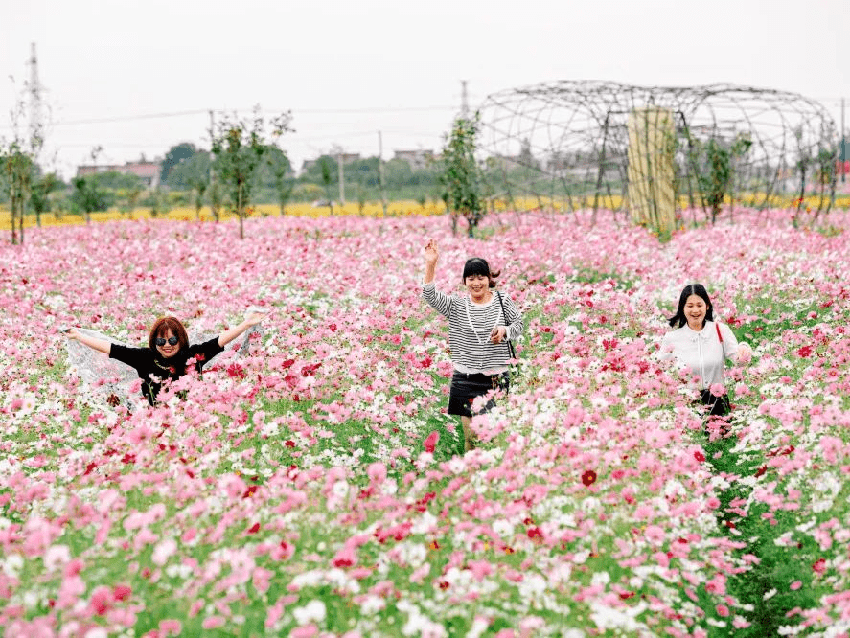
(136, 358)
(205, 351)
(730, 342)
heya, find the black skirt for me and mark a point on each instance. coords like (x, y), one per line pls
(714, 405)
(465, 388)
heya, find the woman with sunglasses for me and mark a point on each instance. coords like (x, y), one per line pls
(168, 355)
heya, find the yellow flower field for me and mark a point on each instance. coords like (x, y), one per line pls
(403, 208)
(407, 208)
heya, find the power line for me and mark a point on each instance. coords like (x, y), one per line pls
(170, 114)
(131, 118)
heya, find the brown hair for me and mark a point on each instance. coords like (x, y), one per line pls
(161, 328)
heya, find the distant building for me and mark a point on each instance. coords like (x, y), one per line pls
(347, 158)
(418, 159)
(148, 172)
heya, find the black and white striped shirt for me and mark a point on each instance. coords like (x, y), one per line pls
(470, 325)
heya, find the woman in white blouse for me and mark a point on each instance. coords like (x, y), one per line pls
(481, 324)
(702, 346)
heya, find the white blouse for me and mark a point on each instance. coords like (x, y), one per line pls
(701, 352)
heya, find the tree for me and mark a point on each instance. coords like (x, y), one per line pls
(42, 186)
(215, 199)
(175, 156)
(462, 175)
(713, 163)
(193, 174)
(18, 168)
(239, 146)
(326, 166)
(87, 197)
(182, 175)
(17, 161)
(115, 180)
(278, 165)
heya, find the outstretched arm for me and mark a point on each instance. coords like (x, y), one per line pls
(101, 345)
(231, 333)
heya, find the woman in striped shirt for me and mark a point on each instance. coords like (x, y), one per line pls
(480, 326)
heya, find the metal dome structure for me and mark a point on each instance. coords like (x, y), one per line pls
(572, 145)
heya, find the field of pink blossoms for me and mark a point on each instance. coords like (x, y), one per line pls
(311, 486)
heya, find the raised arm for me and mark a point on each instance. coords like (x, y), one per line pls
(431, 255)
(231, 333)
(101, 345)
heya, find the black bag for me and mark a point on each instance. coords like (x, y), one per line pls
(514, 367)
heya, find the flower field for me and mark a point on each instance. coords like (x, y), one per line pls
(312, 486)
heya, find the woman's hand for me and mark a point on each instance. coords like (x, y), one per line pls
(101, 345)
(744, 354)
(499, 334)
(254, 317)
(431, 253)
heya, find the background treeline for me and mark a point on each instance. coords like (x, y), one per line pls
(187, 178)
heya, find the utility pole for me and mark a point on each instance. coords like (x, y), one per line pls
(464, 100)
(212, 186)
(844, 158)
(36, 129)
(381, 176)
(341, 176)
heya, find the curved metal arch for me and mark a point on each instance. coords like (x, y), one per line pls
(566, 143)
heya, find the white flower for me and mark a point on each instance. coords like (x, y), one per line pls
(312, 612)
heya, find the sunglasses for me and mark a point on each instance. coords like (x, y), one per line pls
(172, 341)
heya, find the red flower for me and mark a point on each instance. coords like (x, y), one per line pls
(431, 441)
(588, 478)
(310, 370)
(121, 592)
(254, 528)
(805, 351)
(699, 456)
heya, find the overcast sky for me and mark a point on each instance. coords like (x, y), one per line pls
(138, 77)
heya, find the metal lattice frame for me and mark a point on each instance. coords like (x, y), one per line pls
(566, 144)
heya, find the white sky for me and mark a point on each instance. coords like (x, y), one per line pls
(348, 69)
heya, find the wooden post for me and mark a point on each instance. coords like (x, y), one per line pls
(652, 171)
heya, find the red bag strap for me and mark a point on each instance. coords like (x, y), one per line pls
(719, 336)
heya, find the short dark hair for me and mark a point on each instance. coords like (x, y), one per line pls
(161, 328)
(678, 320)
(478, 266)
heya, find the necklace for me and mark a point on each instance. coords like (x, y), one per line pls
(486, 331)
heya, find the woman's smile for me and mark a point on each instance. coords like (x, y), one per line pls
(478, 286)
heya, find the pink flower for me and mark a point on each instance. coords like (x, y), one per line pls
(212, 622)
(101, 599)
(377, 472)
(346, 557)
(431, 441)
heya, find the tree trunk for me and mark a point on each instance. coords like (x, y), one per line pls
(21, 217)
(240, 211)
(13, 216)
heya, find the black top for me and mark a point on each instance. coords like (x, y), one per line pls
(153, 368)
